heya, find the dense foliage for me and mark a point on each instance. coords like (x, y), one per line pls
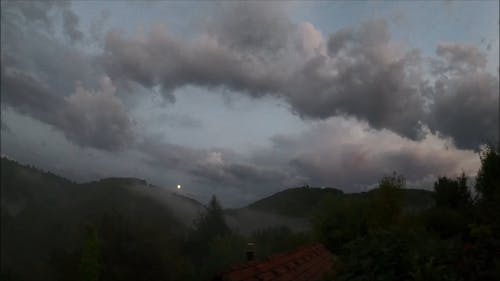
(457, 239)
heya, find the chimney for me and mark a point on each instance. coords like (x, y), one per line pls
(250, 251)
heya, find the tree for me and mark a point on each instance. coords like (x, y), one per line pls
(452, 193)
(209, 228)
(488, 176)
(339, 221)
(485, 260)
(90, 262)
(387, 203)
(212, 223)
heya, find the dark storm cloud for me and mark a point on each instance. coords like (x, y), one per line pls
(364, 76)
(369, 78)
(459, 58)
(40, 14)
(466, 108)
(254, 54)
(33, 48)
(39, 75)
(218, 171)
(95, 119)
(29, 96)
(31, 12)
(168, 155)
(70, 25)
(357, 72)
(161, 60)
(465, 96)
(97, 26)
(217, 167)
(252, 27)
(382, 89)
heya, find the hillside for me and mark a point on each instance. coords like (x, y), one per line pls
(44, 218)
(301, 202)
(294, 202)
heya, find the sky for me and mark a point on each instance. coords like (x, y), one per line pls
(244, 99)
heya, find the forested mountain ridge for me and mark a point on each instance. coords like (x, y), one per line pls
(44, 217)
(126, 229)
(48, 222)
(303, 201)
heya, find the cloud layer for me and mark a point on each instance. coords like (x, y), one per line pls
(373, 105)
(358, 72)
(350, 154)
(343, 153)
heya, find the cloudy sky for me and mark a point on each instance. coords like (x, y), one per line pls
(245, 99)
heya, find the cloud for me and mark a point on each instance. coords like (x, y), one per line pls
(349, 154)
(310, 40)
(369, 80)
(30, 45)
(180, 121)
(358, 71)
(341, 152)
(4, 127)
(32, 13)
(96, 119)
(459, 58)
(209, 165)
(41, 15)
(465, 96)
(167, 155)
(254, 54)
(466, 108)
(252, 27)
(70, 25)
(365, 75)
(374, 105)
(162, 60)
(96, 28)
(219, 169)
(39, 74)
(29, 95)
(215, 169)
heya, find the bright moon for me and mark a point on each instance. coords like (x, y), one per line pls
(178, 186)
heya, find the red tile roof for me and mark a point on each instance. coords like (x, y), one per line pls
(308, 263)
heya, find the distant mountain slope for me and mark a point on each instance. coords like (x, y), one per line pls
(43, 213)
(26, 185)
(413, 199)
(301, 202)
(294, 202)
(44, 216)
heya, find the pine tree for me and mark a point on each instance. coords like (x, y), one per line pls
(90, 262)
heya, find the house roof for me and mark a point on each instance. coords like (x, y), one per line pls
(308, 263)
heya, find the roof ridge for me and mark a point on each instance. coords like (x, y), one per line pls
(307, 262)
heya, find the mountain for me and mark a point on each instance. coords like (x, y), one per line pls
(294, 202)
(302, 202)
(45, 221)
(44, 218)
